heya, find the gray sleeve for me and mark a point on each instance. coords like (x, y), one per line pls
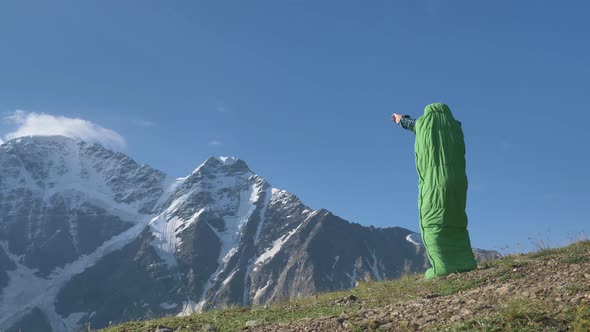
(408, 123)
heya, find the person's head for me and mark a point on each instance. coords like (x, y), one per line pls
(437, 108)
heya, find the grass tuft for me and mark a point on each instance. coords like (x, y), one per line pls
(444, 287)
(581, 319)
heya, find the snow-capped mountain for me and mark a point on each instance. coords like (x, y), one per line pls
(87, 235)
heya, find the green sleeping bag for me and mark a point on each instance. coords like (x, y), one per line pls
(440, 162)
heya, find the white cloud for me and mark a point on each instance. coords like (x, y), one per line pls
(214, 143)
(1, 141)
(41, 124)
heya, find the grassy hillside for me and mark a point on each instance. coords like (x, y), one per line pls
(547, 290)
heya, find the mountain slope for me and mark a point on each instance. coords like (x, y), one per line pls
(544, 291)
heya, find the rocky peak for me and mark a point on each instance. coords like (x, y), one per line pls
(41, 141)
(226, 166)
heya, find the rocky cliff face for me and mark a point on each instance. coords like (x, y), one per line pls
(87, 235)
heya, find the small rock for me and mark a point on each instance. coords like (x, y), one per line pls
(422, 321)
(503, 290)
(164, 329)
(209, 328)
(471, 302)
(455, 318)
(381, 316)
(587, 275)
(404, 323)
(465, 312)
(386, 327)
(252, 323)
(347, 301)
(577, 299)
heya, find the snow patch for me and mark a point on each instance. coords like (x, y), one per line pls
(277, 245)
(166, 231)
(352, 277)
(229, 255)
(374, 268)
(188, 308)
(335, 262)
(168, 305)
(227, 160)
(230, 237)
(228, 279)
(234, 224)
(170, 186)
(73, 320)
(267, 198)
(415, 239)
(280, 196)
(262, 290)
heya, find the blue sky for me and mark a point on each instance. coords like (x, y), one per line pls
(303, 91)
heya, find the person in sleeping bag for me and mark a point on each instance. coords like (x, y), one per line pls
(442, 183)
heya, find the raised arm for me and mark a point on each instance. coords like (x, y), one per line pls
(405, 121)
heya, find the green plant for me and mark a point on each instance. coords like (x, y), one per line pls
(443, 287)
(522, 310)
(581, 321)
(540, 242)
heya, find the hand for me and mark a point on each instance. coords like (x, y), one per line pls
(396, 118)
